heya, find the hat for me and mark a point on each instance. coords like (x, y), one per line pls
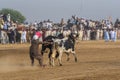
(35, 37)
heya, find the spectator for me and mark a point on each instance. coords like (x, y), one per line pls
(106, 35)
(23, 36)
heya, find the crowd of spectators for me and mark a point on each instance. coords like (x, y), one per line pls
(12, 32)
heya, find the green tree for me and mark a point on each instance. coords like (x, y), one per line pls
(15, 15)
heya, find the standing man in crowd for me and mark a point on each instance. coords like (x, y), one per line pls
(23, 36)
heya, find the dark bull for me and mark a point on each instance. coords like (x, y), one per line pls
(35, 53)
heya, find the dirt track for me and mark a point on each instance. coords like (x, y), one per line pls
(97, 60)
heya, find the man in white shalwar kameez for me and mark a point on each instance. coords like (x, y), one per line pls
(113, 35)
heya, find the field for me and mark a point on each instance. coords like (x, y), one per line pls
(97, 60)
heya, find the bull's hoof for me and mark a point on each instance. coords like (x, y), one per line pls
(53, 65)
(32, 64)
(68, 59)
(61, 65)
(44, 65)
(76, 60)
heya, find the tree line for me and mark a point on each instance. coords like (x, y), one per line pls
(15, 15)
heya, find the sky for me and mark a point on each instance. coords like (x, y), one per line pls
(39, 10)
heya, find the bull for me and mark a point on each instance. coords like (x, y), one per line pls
(65, 45)
(35, 53)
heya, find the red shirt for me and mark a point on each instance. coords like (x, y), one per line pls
(38, 34)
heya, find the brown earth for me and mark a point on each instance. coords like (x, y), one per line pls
(97, 60)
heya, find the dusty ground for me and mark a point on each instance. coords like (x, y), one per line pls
(97, 60)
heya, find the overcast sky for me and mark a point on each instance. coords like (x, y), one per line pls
(38, 10)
